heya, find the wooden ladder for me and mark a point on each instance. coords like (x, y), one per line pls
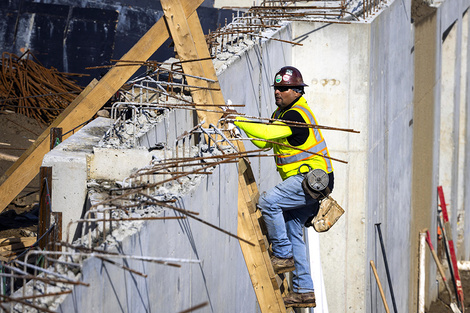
(269, 287)
(190, 44)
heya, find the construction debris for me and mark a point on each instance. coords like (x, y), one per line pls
(33, 90)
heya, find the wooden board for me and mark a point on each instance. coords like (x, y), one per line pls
(190, 44)
(85, 106)
(257, 258)
(25, 241)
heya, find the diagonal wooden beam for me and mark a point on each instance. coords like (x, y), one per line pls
(189, 47)
(190, 44)
(85, 106)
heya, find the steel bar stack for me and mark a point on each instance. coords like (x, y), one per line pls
(28, 88)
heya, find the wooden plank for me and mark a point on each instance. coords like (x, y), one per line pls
(26, 241)
(204, 54)
(190, 44)
(16, 246)
(27, 166)
(266, 294)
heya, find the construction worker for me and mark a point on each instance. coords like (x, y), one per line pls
(287, 207)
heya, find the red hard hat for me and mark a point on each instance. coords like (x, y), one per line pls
(289, 76)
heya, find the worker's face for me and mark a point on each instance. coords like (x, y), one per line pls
(284, 96)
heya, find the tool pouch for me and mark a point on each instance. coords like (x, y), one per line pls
(329, 213)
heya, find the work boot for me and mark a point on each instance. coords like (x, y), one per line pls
(282, 265)
(300, 300)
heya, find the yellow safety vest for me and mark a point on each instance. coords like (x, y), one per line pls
(288, 164)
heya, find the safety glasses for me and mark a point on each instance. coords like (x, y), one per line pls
(281, 88)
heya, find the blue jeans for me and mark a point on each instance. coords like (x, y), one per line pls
(285, 210)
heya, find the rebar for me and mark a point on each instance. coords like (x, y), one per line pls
(33, 90)
(196, 307)
(157, 202)
(292, 147)
(291, 123)
(47, 280)
(158, 260)
(123, 267)
(40, 309)
(44, 295)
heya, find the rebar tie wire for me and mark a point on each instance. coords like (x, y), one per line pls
(82, 124)
(48, 195)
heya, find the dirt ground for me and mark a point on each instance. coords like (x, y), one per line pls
(17, 133)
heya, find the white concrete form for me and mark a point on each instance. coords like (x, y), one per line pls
(69, 172)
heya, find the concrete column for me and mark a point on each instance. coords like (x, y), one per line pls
(337, 73)
(424, 170)
(466, 173)
(463, 129)
(449, 113)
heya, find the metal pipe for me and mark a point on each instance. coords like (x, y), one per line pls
(384, 255)
(164, 261)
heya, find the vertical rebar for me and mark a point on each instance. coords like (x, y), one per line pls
(45, 204)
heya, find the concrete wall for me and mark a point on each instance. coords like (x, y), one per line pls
(338, 77)
(388, 78)
(221, 277)
(453, 110)
(463, 117)
(362, 76)
(222, 270)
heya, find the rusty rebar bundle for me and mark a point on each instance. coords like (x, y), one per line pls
(33, 90)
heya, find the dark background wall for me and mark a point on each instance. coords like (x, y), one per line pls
(71, 35)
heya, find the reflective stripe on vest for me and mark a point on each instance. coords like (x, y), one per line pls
(319, 148)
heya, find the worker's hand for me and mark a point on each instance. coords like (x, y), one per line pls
(229, 112)
(234, 130)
